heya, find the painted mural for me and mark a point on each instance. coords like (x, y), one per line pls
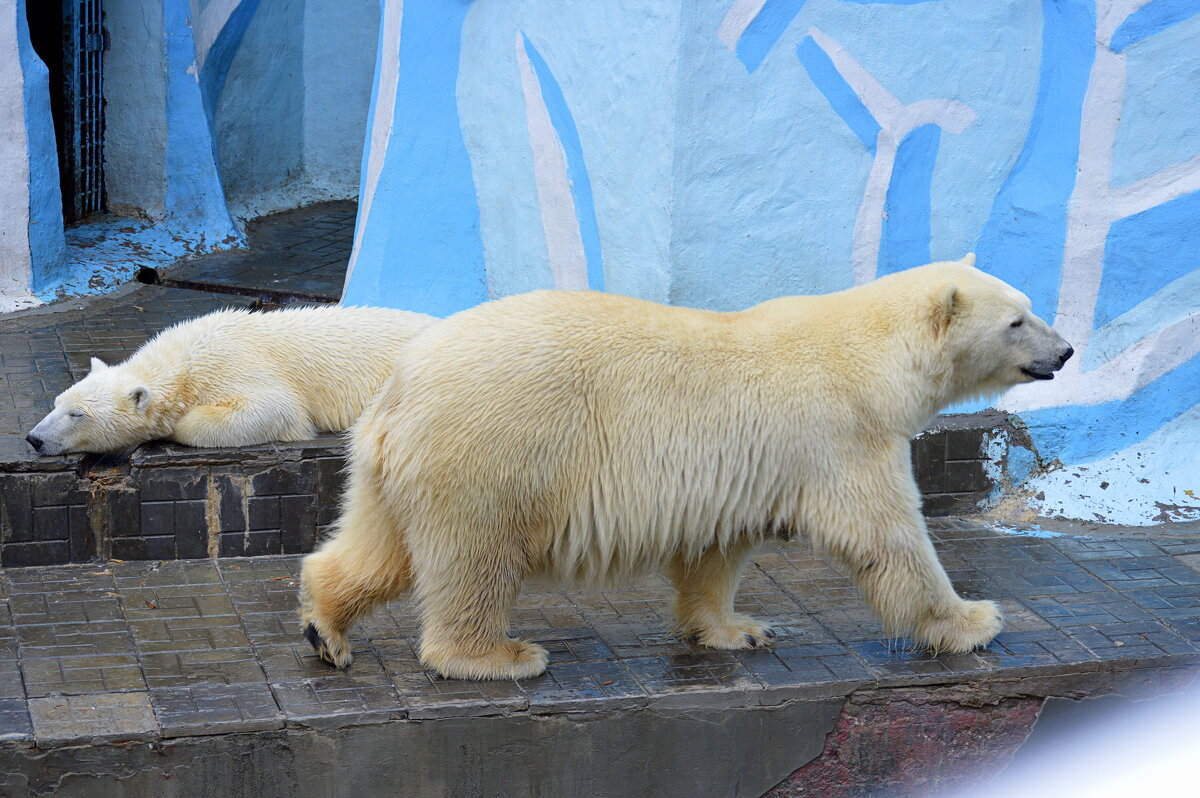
(722, 152)
(215, 111)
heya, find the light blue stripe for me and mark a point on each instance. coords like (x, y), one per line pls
(1172, 303)
(1079, 434)
(221, 53)
(765, 30)
(1150, 19)
(581, 185)
(844, 100)
(47, 245)
(421, 249)
(1025, 234)
(905, 236)
(195, 200)
(889, 2)
(1145, 252)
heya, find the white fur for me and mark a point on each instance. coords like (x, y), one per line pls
(593, 436)
(234, 378)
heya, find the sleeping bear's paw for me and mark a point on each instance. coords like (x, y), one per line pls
(971, 626)
(510, 659)
(737, 632)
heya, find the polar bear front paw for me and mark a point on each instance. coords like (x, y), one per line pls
(511, 659)
(333, 649)
(737, 632)
(972, 625)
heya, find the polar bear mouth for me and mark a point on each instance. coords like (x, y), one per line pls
(1037, 375)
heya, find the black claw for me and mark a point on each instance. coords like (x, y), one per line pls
(770, 633)
(314, 639)
(752, 640)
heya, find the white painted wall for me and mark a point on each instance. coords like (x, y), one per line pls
(340, 41)
(14, 165)
(31, 234)
(135, 96)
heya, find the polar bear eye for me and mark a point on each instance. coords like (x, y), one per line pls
(76, 414)
(1017, 323)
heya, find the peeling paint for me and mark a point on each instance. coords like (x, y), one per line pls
(212, 517)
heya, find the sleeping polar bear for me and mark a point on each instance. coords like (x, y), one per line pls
(233, 378)
(592, 436)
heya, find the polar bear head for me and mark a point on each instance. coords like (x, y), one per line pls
(987, 332)
(106, 411)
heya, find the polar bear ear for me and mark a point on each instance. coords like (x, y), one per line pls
(968, 259)
(140, 396)
(98, 364)
(945, 303)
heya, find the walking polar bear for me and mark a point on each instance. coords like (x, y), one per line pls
(592, 436)
(233, 378)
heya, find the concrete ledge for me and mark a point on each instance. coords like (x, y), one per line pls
(166, 501)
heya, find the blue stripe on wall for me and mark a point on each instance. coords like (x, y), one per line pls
(1150, 19)
(221, 53)
(765, 30)
(421, 249)
(1078, 434)
(1146, 251)
(1024, 236)
(905, 236)
(844, 100)
(47, 246)
(581, 184)
(195, 199)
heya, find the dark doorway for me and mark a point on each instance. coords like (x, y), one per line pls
(68, 36)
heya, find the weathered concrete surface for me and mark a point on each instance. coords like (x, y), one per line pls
(906, 743)
(130, 671)
(701, 749)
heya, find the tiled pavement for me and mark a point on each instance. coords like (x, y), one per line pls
(301, 251)
(147, 650)
(43, 352)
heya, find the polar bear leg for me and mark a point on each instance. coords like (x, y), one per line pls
(467, 597)
(886, 548)
(366, 562)
(704, 599)
(241, 424)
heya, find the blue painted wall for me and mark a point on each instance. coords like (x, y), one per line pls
(46, 242)
(717, 153)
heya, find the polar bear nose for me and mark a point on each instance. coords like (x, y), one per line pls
(1065, 356)
(34, 441)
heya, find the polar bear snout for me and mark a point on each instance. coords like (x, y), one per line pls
(49, 436)
(1044, 369)
(45, 438)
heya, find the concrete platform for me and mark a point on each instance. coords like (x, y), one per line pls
(190, 678)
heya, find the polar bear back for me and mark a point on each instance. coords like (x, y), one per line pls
(632, 431)
(331, 360)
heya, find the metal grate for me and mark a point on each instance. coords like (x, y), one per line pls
(81, 147)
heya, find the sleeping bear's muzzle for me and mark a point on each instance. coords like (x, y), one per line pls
(46, 437)
(1044, 369)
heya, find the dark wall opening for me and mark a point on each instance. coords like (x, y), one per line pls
(68, 36)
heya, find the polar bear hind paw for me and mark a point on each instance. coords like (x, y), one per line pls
(333, 649)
